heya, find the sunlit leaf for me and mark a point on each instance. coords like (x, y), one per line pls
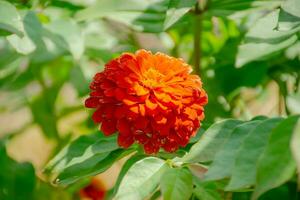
(86, 156)
(211, 141)
(10, 20)
(141, 179)
(176, 9)
(263, 40)
(71, 33)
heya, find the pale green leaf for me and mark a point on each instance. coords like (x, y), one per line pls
(264, 40)
(71, 33)
(211, 141)
(145, 16)
(141, 179)
(177, 9)
(292, 7)
(10, 20)
(176, 183)
(86, 156)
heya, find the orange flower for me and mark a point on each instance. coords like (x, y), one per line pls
(148, 98)
(94, 191)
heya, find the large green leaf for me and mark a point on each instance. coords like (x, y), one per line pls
(145, 16)
(292, 7)
(211, 141)
(295, 145)
(276, 165)
(86, 156)
(17, 180)
(141, 179)
(263, 40)
(176, 9)
(244, 170)
(127, 165)
(10, 20)
(176, 183)
(223, 162)
(207, 191)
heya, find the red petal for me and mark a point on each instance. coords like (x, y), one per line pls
(125, 141)
(92, 102)
(108, 127)
(98, 116)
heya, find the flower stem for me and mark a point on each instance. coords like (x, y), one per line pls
(197, 39)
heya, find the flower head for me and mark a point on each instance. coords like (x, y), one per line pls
(151, 99)
(94, 191)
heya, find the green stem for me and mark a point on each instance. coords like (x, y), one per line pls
(197, 39)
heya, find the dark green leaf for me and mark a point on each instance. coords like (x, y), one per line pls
(17, 180)
(244, 170)
(295, 145)
(276, 165)
(176, 183)
(223, 162)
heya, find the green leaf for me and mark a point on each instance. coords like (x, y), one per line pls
(141, 179)
(244, 170)
(207, 191)
(176, 183)
(238, 9)
(10, 20)
(211, 141)
(292, 7)
(86, 156)
(176, 10)
(223, 162)
(127, 165)
(147, 16)
(71, 34)
(276, 165)
(295, 146)
(263, 40)
(43, 114)
(78, 80)
(17, 179)
(40, 43)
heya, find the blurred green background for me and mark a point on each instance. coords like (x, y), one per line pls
(49, 51)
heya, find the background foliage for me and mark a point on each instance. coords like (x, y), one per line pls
(246, 51)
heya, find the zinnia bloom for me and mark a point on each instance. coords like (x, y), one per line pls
(94, 191)
(151, 99)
